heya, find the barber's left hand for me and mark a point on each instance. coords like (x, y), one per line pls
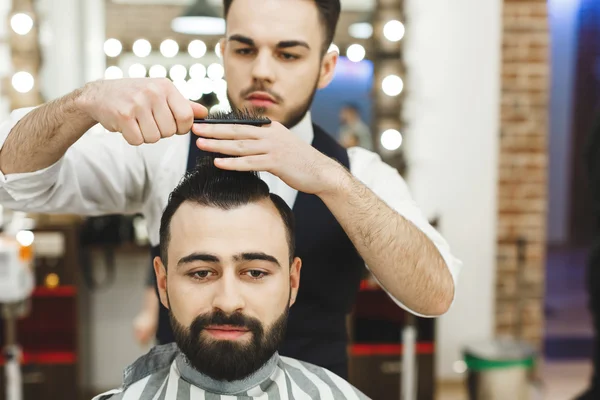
(271, 148)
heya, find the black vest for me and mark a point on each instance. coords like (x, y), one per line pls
(329, 279)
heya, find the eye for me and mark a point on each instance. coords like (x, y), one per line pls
(256, 274)
(288, 56)
(200, 275)
(244, 51)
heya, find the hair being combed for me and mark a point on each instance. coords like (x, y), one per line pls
(211, 186)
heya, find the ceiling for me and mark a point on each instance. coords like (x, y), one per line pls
(347, 5)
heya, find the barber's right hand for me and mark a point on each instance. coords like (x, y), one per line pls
(144, 110)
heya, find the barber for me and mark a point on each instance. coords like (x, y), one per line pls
(352, 209)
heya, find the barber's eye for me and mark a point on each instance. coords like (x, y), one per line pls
(288, 56)
(255, 274)
(244, 52)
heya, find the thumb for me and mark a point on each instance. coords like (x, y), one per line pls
(199, 110)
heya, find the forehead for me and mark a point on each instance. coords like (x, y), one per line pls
(272, 21)
(249, 228)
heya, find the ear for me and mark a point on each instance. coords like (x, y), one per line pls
(295, 279)
(161, 280)
(327, 68)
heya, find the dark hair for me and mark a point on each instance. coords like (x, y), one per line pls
(329, 14)
(214, 187)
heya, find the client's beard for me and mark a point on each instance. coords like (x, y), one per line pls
(227, 360)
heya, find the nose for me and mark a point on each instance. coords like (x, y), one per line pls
(228, 296)
(263, 68)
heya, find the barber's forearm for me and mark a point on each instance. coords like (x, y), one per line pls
(43, 136)
(401, 257)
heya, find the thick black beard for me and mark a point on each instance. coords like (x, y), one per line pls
(225, 360)
(295, 116)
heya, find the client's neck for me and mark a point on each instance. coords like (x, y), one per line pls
(208, 384)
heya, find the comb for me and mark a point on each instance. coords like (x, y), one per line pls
(243, 117)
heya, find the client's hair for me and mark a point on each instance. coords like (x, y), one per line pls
(210, 186)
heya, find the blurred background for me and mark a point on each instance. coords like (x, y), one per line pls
(485, 107)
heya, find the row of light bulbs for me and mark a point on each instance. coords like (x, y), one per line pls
(168, 48)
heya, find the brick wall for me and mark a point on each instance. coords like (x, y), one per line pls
(523, 166)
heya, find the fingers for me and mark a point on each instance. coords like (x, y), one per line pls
(199, 110)
(232, 147)
(131, 132)
(250, 163)
(148, 126)
(228, 131)
(182, 111)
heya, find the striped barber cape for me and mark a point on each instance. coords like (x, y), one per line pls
(165, 374)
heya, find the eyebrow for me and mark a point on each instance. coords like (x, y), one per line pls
(210, 258)
(281, 45)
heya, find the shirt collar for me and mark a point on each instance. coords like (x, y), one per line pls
(304, 129)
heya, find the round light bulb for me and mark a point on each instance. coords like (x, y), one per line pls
(112, 47)
(391, 139)
(355, 53)
(194, 89)
(137, 71)
(208, 86)
(333, 47)
(157, 71)
(459, 366)
(169, 48)
(393, 30)
(113, 72)
(142, 48)
(392, 85)
(21, 23)
(361, 30)
(23, 82)
(215, 71)
(25, 238)
(178, 72)
(197, 71)
(197, 48)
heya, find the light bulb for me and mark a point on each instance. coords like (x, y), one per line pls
(113, 72)
(169, 48)
(391, 139)
(25, 238)
(23, 82)
(178, 72)
(197, 71)
(197, 48)
(355, 53)
(361, 30)
(392, 85)
(215, 71)
(142, 48)
(112, 47)
(393, 30)
(157, 71)
(21, 23)
(194, 89)
(137, 71)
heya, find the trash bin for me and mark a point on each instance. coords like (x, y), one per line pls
(500, 370)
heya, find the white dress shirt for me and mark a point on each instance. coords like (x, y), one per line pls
(102, 174)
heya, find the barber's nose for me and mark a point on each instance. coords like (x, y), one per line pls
(228, 297)
(263, 67)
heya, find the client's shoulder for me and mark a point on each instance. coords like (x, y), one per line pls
(318, 381)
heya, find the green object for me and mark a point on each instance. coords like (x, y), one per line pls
(499, 354)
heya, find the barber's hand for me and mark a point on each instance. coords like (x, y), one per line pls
(273, 149)
(144, 110)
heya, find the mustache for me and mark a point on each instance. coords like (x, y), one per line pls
(261, 88)
(218, 317)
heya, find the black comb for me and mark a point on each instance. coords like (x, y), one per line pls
(243, 117)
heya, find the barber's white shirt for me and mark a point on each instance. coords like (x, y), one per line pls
(102, 174)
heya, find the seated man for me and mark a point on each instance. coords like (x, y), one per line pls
(228, 275)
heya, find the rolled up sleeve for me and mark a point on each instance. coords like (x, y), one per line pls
(388, 185)
(100, 174)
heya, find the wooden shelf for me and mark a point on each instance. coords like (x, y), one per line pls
(60, 291)
(46, 358)
(388, 349)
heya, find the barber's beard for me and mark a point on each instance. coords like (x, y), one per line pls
(292, 117)
(228, 360)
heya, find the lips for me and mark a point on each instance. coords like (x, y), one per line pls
(261, 99)
(226, 332)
